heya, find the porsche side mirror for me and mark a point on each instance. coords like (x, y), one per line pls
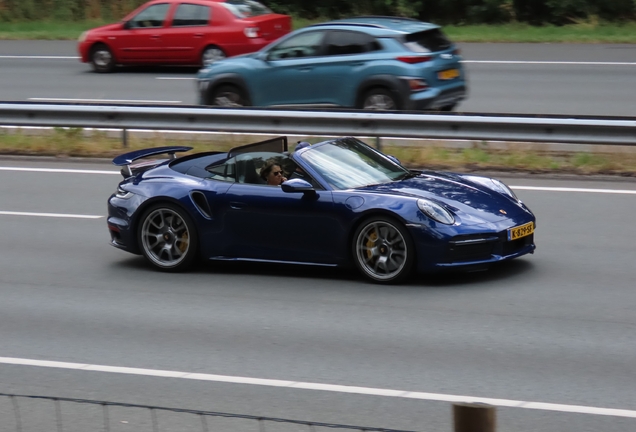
(297, 185)
(394, 159)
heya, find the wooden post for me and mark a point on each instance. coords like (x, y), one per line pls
(474, 417)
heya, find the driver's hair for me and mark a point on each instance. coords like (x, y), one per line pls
(268, 166)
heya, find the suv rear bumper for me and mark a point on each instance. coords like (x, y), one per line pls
(435, 98)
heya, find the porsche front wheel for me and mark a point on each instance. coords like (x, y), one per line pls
(167, 237)
(383, 250)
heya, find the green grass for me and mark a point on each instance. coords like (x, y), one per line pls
(590, 31)
(75, 142)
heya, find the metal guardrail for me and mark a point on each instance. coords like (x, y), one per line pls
(65, 414)
(456, 126)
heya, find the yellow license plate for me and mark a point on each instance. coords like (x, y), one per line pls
(448, 74)
(521, 231)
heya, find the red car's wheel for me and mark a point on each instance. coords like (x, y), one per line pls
(102, 59)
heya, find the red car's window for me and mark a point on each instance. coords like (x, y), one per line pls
(191, 15)
(245, 8)
(152, 16)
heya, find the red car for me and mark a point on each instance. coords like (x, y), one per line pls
(182, 32)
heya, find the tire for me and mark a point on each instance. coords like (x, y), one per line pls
(211, 54)
(383, 250)
(228, 96)
(102, 59)
(167, 237)
(379, 99)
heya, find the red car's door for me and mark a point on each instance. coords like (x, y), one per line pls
(140, 40)
(185, 34)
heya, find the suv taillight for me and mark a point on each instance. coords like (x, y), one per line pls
(414, 59)
(252, 32)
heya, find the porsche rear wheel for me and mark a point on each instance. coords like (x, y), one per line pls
(167, 237)
(383, 250)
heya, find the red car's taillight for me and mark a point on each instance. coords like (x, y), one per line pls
(414, 59)
(252, 32)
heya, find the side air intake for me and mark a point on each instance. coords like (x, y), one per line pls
(201, 203)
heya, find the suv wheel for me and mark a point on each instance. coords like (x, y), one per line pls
(379, 99)
(228, 96)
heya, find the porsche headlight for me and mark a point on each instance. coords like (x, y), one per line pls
(123, 194)
(435, 211)
(501, 187)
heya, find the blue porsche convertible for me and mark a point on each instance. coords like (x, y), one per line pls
(342, 203)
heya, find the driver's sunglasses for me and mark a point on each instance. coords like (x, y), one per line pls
(277, 173)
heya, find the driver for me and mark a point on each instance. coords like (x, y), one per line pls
(272, 173)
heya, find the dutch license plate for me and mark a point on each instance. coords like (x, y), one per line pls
(521, 231)
(448, 74)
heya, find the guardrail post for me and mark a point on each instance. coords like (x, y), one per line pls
(378, 143)
(124, 137)
(474, 417)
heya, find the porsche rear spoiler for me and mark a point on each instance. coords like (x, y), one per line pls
(126, 159)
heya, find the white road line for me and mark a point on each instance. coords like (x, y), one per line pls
(567, 189)
(585, 63)
(581, 409)
(175, 78)
(59, 170)
(39, 57)
(546, 62)
(529, 188)
(53, 215)
(104, 100)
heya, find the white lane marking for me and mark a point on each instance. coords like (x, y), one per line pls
(104, 100)
(39, 57)
(53, 215)
(586, 63)
(568, 189)
(176, 78)
(59, 170)
(530, 188)
(582, 409)
(43, 57)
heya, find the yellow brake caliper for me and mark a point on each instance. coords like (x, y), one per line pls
(370, 243)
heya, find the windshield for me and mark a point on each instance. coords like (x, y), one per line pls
(245, 8)
(349, 163)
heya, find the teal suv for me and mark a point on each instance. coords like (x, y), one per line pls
(373, 63)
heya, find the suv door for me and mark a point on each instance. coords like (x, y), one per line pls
(140, 41)
(185, 37)
(287, 74)
(347, 61)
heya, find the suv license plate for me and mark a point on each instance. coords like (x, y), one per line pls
(448, 74)
(521, 231)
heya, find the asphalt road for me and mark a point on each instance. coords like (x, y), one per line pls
(567, 79)
(555, 327)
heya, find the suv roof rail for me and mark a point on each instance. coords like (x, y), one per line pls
(347, 23)
(364, 24)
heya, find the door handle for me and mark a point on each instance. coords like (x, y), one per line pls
(237, 205)
(154, 37)
(198, 35)
(305, 69)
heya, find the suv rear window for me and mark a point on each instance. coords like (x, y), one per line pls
(427, 41)
(245, 8)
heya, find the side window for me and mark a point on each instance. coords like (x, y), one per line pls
(350, 42)
(191, 15)
(152, 16)
(223, 172)
(303, 45)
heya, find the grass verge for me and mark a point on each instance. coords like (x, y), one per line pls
(473, 157)
(591, 31)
